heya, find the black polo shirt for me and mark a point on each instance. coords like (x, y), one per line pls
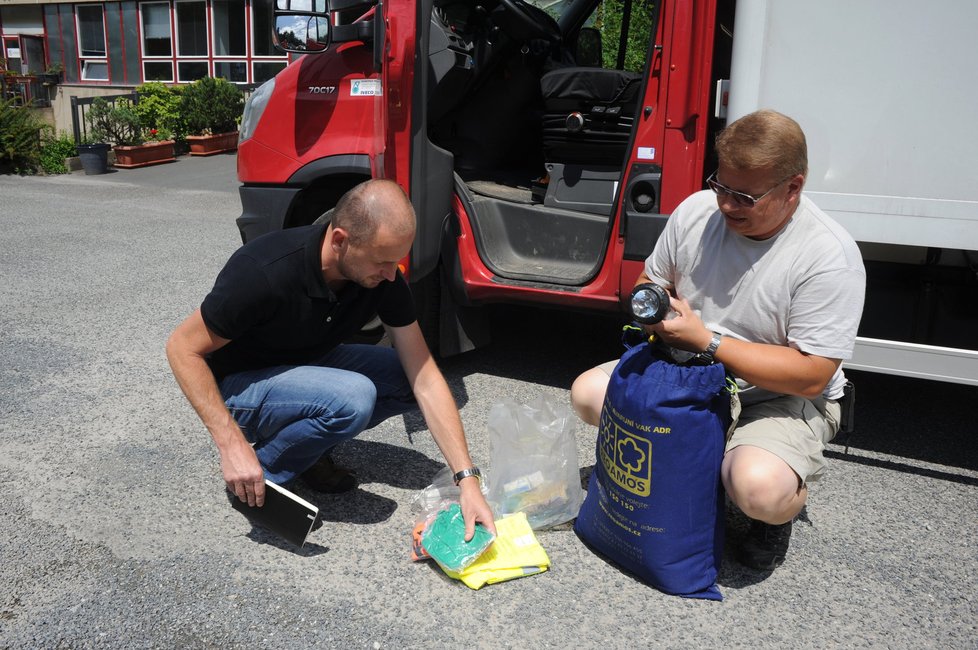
(272, 302)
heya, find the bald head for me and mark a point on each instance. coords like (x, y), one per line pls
(372, 205)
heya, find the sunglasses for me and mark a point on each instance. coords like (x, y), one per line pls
(742, 199)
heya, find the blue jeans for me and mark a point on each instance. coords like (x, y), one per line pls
(294, 414)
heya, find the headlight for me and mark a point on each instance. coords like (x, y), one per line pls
(254, 108)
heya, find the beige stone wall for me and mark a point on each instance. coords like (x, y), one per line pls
(61, 101)
(46, 115)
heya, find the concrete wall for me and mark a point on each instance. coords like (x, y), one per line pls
(61, 101)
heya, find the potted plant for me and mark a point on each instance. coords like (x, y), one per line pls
(211, 109)
(159, 108)
(135, 145)
(53, 75)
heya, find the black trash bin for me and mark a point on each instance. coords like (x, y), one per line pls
(94, 158)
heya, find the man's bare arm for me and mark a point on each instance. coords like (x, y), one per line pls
(441, 414)
(186, 350)
(773, 367)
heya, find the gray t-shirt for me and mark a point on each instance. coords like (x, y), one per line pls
(802, 288)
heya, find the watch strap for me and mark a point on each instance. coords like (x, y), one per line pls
(466, 473)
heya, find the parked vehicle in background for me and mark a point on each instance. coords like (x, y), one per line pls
(544, 144)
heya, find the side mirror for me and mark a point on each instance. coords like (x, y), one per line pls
(588, 47)
(301, 32)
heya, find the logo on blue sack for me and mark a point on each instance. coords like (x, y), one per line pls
(625, 456)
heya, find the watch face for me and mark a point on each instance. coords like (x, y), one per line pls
(711, 349)
(466, 473)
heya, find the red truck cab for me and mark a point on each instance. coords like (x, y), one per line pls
(541, 144)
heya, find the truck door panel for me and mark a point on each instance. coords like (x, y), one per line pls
(670, 135)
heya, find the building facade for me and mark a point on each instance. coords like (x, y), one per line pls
(109, 47)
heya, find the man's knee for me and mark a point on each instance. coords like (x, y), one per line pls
(762, 485)
(587, 394)
(330, 402)
(347, 408)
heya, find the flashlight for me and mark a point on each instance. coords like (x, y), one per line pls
(649, 303)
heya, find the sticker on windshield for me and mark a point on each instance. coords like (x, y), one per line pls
(365, 88)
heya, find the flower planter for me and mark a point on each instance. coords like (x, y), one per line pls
(150, 153)
(49, 78)
(94, 158)
(208, 145)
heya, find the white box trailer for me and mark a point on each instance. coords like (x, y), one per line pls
(887, 94)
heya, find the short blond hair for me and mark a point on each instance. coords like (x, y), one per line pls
(761, 140)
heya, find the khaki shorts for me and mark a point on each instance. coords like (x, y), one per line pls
(794, 429)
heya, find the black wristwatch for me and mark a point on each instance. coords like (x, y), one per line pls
(466, 473)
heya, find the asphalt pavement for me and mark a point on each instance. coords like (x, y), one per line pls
(116, 532)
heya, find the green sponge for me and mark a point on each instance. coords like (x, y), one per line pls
(444, 539)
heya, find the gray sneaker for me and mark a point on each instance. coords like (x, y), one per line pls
(765, 546)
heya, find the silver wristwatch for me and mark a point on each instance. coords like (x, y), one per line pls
(711, 349)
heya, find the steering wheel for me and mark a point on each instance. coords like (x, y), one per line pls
(530, 21)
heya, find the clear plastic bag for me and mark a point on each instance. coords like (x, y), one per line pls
(428, 503)
(441, 493)
(533, 461)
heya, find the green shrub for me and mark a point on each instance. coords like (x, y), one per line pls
(20, 139)
(54, 150)
(608, 19)
(159, 111)
(211, 106)
(117, 123)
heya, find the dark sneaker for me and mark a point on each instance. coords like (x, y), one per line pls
(765, 546)
(325, 476)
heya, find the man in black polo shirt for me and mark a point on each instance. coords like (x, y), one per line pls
(264, 364)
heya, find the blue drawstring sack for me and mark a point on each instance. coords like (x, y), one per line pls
(654, 504)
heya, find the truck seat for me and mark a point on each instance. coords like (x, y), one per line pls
(588, 114)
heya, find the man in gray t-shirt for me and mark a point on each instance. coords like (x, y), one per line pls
(764, 282)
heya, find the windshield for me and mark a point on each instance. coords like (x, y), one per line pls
(605, 16)
(555, 8)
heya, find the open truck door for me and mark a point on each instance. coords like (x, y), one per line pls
(674, 127)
